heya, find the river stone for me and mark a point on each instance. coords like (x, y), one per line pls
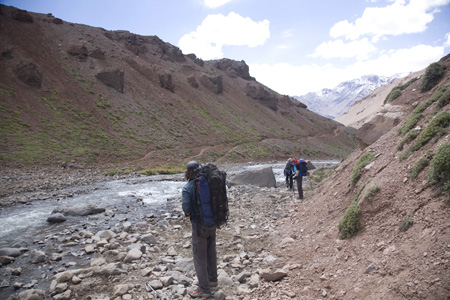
(63, 296)
(79, 210)
(149, 239)
(261, 177)
(56, 218)
(97, 261)
(105, 234)
(273, 276)
(120, 290)
(37, 256)
(32, 294)
(6, 260)
(156, 284)
(13, 252)
(133, 254)
(111, 269)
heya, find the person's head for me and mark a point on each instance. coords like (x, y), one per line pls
(190, 170)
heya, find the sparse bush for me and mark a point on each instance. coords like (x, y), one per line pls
(433, 74)
(363, 161)
(419, 166)
(371, 192)
(393, 94)
(412, 134)
(438, 127)
(416, 114)
(397, 91)
(166, 170)
(407, 222)
(440, 165)
(350, 224)
(444, 100)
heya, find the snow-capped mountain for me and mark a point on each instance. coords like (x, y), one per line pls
(331, 103)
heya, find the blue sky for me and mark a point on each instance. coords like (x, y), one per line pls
(291, 46)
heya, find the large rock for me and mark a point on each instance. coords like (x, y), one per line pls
(32, 294)
(114, 79)
(30, 74)
(12, 252)
(22, 16)
(234, 68)
(377, 126)
(56, 218)
(262, 95)
(165, 79)
(214, 83)
(80, 51)
(81, 210)
(262, 177)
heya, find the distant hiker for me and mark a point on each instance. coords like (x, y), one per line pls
(203, 238)
(302, 170)
(290, 170)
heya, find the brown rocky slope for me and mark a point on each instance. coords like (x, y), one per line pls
(386, 259)
(71, 92)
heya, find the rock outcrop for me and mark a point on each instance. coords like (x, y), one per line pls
(114, 79)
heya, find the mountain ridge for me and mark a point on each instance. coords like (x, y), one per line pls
(333, 102)
(72, 92)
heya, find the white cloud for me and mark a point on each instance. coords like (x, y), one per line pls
(338, 48)
(287, 33)
(215, 3)
(395, 19)
(299, 80)
(447, 40)
(218, 30)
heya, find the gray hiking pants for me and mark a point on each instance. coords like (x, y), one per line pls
(205, 255)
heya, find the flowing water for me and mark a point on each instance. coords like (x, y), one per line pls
(135, 197)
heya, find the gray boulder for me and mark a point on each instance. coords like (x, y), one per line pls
(56, 218)
(114, 79)
(261, 177)
(81, 210)
(12, 252)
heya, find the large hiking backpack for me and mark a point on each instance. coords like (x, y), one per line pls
(303, 168)
(211, 195)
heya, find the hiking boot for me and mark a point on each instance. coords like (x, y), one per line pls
(198, 293)
(213, 284)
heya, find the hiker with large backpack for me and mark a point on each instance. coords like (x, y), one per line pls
(302, 170)
(290, 171)
(205, 202)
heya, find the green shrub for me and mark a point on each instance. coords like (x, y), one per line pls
(363, 161)
(397, 91)
(444, 99)
(440, 165)
(350, 224)
(393, 94)
(407, 222)
(433, 74)
(371, 192)
(164, 170)
(412, 134)
(438, 127)
(419, 166)
(416, 114)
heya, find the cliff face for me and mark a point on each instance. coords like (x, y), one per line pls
(74, 92)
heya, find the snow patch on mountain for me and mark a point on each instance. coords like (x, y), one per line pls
(331, 103)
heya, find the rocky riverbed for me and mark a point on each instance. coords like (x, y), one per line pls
(112, 254)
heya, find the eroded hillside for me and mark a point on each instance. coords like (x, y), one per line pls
(378, 227)
(71, 92)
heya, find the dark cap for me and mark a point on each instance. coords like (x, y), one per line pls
(192, 165)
